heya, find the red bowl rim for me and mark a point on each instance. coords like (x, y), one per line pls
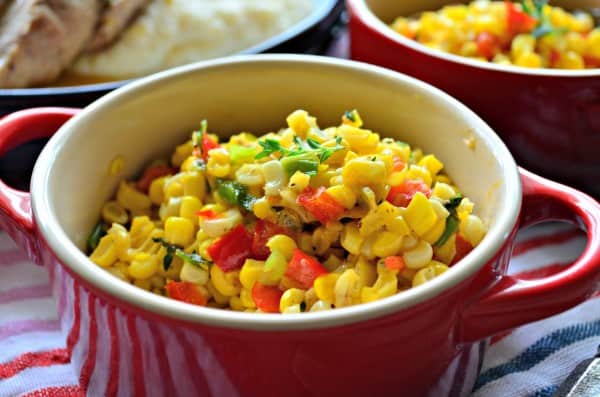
(362, 11)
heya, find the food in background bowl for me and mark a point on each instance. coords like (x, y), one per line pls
(306, 219)
(530, 34)
(176, 32)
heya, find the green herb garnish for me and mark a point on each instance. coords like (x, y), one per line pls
(453, 203)
(235, 193)
(452, 220)
(351, 115)
(198, 135)
(272, 146)
(174, 250)
(535, 9)
(94, 238)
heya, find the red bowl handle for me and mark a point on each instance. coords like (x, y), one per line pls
(15, 205)
(511, 301)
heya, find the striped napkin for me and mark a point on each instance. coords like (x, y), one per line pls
(530, 361)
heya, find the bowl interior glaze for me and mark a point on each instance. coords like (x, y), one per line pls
(147, 119)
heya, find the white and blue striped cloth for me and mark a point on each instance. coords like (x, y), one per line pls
(529, 362)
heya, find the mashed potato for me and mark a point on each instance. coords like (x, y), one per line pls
(176, 32)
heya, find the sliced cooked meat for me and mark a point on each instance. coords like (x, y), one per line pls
(40, 38)
(115, 18)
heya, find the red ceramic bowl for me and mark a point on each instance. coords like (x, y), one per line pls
(425, 341)
(550, 119)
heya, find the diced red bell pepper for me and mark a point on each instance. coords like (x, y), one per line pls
(151, 173)
(591, 62)
(488, 44)
(230, 251)
(208, 214)
(320, 204)
(266, 297)
(401, 195)
(518, 21)
(185, 292)
(463, 247)
(207, 144)
(394, 263)
(554, 58)
(263, 231)
(304, 269)
(399, 165)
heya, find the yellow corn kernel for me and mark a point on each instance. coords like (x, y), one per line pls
(156, 190)
(113, 212)
(320, 305)
(105, 253)
(188, 208)
(352, 117)
(172, 189)
(300, 122)
(456, 12)
(386, 244)
(367, 273)
(274, 268)
(294, 309)
(143, 266)
(362, 171)
(444, 178)
(282, 243)
(443, 191)
(118, 273)
(228, 284)
(593, 43)
(181, 153)
(291, 297)
(193, 184)
(179, 231)
(275, 177)
(367, 198)
(325, 285)
(488, 23)
(436, 232)
(299, 181)
(131, 198)
(522, 44)
(219, 164)
(418, 172)
(529, 60)
(465, 208)
(419, 256)
(262, 209)
(116, 166)
(351, 239)
(447, 251)
(343, 194)
(193, 274)
(420, 215)
(141, 227)
(332, 262)
(218, 297)
(250, 175)
(472, 229)
(246, 298)
(501, 59)
(429, 272)
(576, 42)
(250, 273)
(324, 236)
(386, 285)
(359, 140)
(571, 60)
(121, 240)
(143, 284)
(347, 289)
(433, 165)
(235, 302)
